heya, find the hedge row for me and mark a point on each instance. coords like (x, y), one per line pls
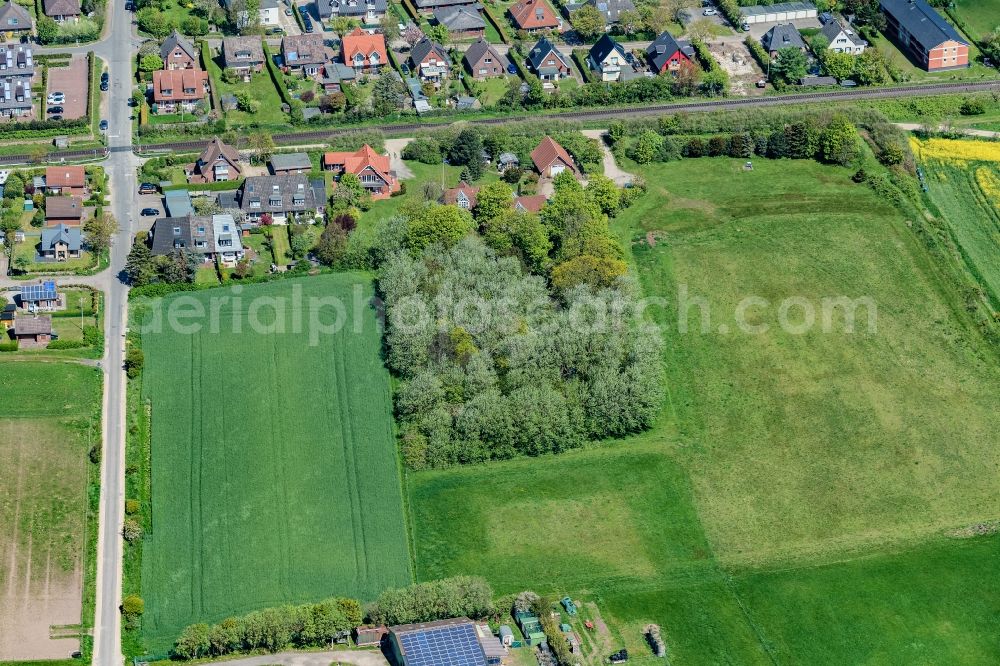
(580, 58)
(276, 76)
(496, 24)
(757, 51)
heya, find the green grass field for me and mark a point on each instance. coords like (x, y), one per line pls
(260, 88)
(796, 480)
(274, 470)
(973, 219)
(981, 16)
(49, 419)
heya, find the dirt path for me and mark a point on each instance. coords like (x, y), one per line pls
(355, 657)
(396, 163)
(611, 169)
(971, 131)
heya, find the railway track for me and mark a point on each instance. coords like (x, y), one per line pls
(318, 136)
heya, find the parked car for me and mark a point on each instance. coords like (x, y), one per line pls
(56, 98)
(511, 68)
(149, 212)
(147, 188)
(709, 11)
(55, 109)
(848, 83)
(55, 117)
(103, 126)
(104, 86)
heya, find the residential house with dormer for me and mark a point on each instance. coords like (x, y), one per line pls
(243, 55)
(372, 170)
(430, 61)
(304, 53)
(547, 62)
(364, 52)
(178, 53)
(281, 197)
(179, 89)
(218, 163)
(367, 12)
(667, 53)
(17, 68)
(15, 20)
(534, 16)
(843, 40)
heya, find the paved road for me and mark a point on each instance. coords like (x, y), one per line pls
(116, 49)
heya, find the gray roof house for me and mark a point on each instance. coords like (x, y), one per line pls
(60, 10)
(430, 60)
(463, 20)
(782, 36)
(60, 242)
(14, 18)
(843, 40)
(281, 196)
(611, 9)
(283, 164)
(191, 233)
(177, 48)
(16, 69)
(366, 11)
(428, 6)
(243, 53)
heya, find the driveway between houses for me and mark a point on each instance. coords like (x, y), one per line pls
(396, 163)
(611, 169)
(355, 657)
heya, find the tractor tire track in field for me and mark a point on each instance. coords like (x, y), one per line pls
(351, 465)
(197, 537)
(278, 435)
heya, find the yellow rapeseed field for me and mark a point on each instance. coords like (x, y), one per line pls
(956, 150)
(989, 183)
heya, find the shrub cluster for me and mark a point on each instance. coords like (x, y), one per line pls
(469, 596)
(271, 629)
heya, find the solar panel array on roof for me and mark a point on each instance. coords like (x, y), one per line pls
(33, 293)
(443, 646)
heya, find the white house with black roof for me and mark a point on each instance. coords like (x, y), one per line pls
(548, 62)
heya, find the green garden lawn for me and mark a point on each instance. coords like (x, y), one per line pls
(274, 468)
(981, 17)
(260, 88)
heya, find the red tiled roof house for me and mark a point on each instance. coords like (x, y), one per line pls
(371, 169)
(364, 52)
(534, 16)
(551, 159)
(66, 180)
(179, 89)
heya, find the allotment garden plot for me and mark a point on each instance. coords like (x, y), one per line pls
(274, 470)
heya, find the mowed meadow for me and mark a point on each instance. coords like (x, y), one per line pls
(274, 467)
(794, 502)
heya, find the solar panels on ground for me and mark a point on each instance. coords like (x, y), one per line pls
(38, 292)
(443, 646)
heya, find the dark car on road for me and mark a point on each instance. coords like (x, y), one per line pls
(55, 109)
(149, 212)
(55, 117)
(103, 126)
(147, 188)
